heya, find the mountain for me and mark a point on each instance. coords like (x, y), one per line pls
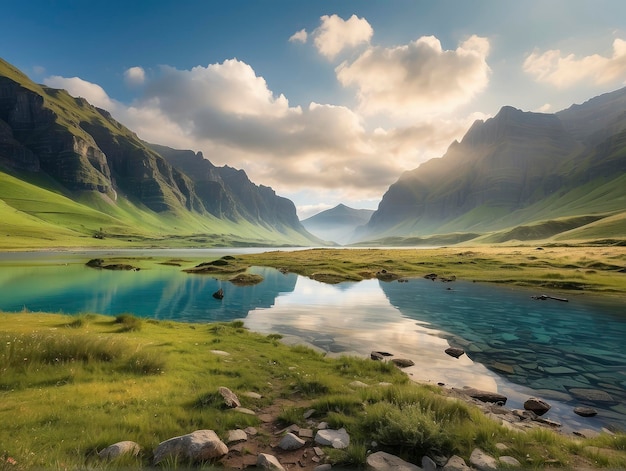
(517, 168)
(51, 142)
(337, 224)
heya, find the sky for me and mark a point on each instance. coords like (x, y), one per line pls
(326, 101)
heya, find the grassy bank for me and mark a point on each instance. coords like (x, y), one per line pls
(72, 385)
(577, 270)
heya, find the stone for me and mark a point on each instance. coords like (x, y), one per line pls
(587, 433)
(252, 395)
(221, 353)
(381, 461)
(484, 396)
(323, 467)
(592, 395)
(236, 436)
(585, 411)
(455, 352)
(510, 461)
(119, 449)
(230, 398)
(305, 433)
(252, 431)
(503, 367)
(456, 463)
(244, 410)
(267, 461)
(201, 445)
(501, 446)
(428, 464)
(402, 362)
(336, 438)
(538, 406)
(482, 461)
(318, 451)
(376, 356)
(358, 384)
(291, 442)
(309, 413)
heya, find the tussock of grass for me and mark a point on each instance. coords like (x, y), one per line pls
(128, 322)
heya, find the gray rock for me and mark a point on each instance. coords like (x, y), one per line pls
(428, 464)
(290, 442)
(358, 384)
(587, 433)
(482, 461)
(305, 433)
(585, 411)
(309, 413)
(381, 461)
(118, 449)
(402, 362)
(267, 461)
(593, 395)
(230, 398)
(236, 436)
(456, 463)
(376, 356)
(244, 410)
(252, 395)
(252, 431)
(485, 396)
(335, 438)
(455, 352)
(323, 467)
(201, 445)
(510, 461)
(538, 406)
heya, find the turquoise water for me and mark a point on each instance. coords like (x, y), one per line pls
(517, 345)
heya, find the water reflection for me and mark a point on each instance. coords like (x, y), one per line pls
(515, 345)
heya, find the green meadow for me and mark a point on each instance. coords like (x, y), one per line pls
(72, 385)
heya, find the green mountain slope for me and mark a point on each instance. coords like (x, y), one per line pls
(514, 175)
(85, 173)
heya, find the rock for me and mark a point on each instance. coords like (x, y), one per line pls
(305, 433)
(118, 449)
(201, 445)
(221, 353)
(290, 442)
(318, 451)
(267, 461)
(455, 352)
(323, 467)
(484, 396)
(381, 461)
(252, 395)
(230, 398)
(456, 463)
(501, 446)
(95, 263)
(510, 461)
(587, 433)
(335, 438)
(309, 413)
(482, 461)
(503, 367)
(402, 362)
(538, 406)
(585, 411)
(358, 384)
(431, 276)
(244, 410)
(428, 464)
(252, 431)
(236, 436)
(376, 356)
(592, 395)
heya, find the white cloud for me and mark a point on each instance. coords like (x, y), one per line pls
(417, 78)
(335, 34)
(135, 76)
(78, 87)
(299, 36)
(561, 70)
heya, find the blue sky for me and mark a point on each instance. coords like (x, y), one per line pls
(325, 101)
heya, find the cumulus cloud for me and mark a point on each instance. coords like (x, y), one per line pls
(135, 76)
(420, 77)
(336, 34)
(561, 70)
(299, 36)
(78, 87)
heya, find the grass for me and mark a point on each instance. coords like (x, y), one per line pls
(69, 389)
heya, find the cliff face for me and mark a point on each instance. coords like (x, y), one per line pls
(501, 166)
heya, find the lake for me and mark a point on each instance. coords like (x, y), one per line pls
(514, 344)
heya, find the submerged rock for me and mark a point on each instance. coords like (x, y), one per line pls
(585, 411)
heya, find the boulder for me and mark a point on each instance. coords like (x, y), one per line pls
(376, 356)
(485, 396)
(236, 436)
(118, 449)
(201, 445)
(230, 398)
(428, 464)
(455, 352)
(585, 411)
(538, 406)
(482, 461)
(402, 362)
(291, 442)
(335, 438)
(267, 461)
(510, 461)
(381, 461)
(456, 463)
